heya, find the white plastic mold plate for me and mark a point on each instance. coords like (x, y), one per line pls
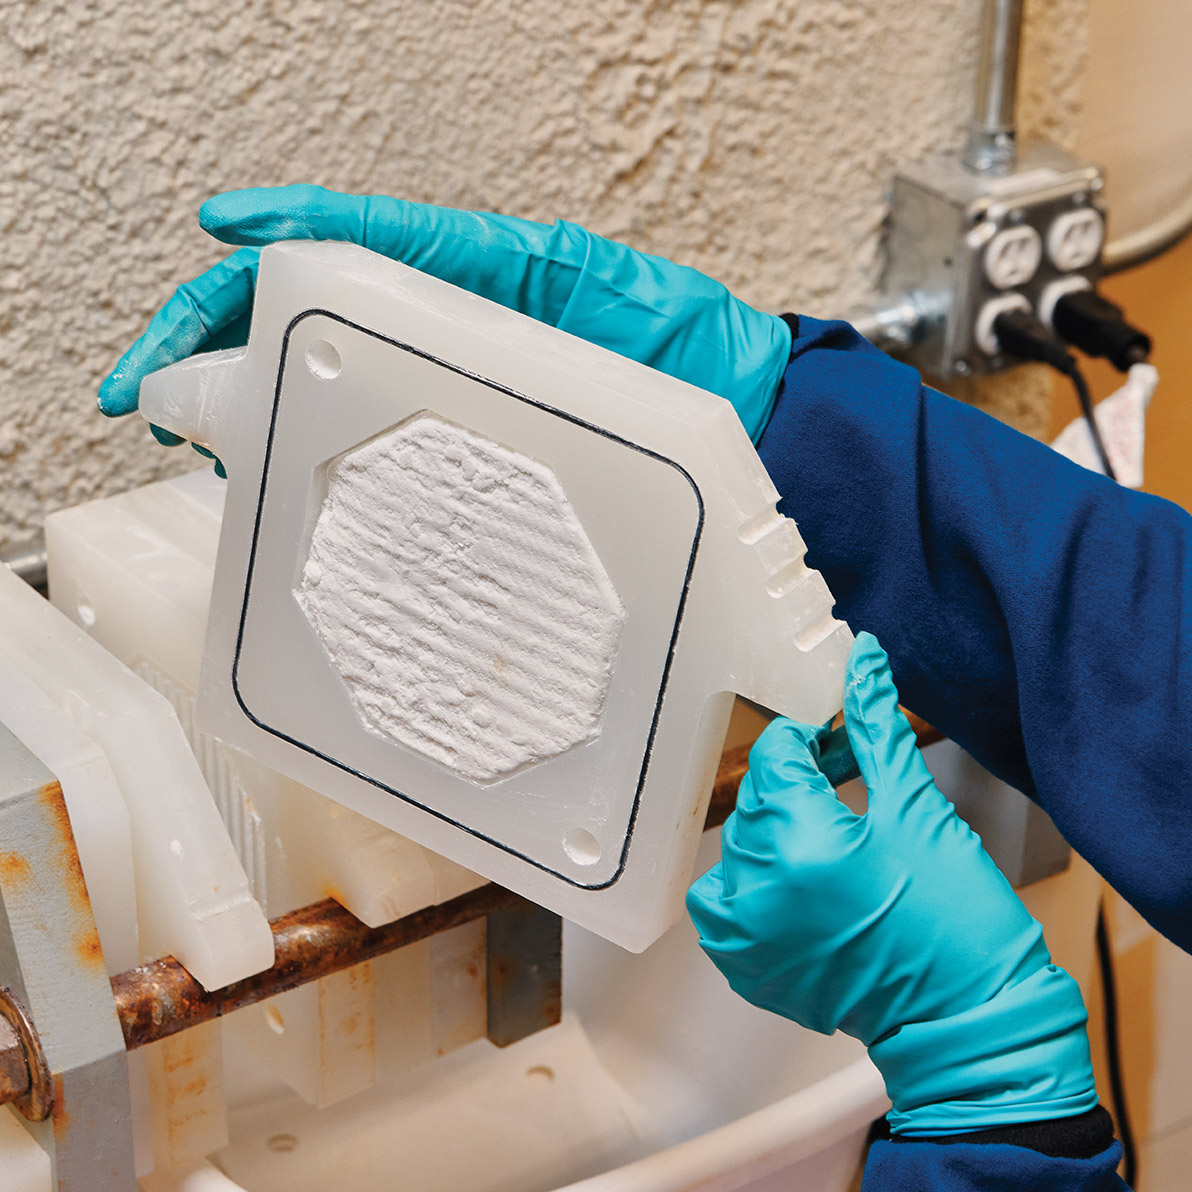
(488, 584)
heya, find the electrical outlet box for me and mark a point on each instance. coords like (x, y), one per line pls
(958, 240)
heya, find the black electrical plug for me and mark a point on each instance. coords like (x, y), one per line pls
(1096, 326)
(1020, 334)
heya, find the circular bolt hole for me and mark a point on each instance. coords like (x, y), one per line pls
(86, 614)
(283, 1143)
(323, 360)
(277, 1024)
(540, 1075)
(581, 846)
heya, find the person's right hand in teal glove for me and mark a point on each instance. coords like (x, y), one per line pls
(894, 926)
(667, 316)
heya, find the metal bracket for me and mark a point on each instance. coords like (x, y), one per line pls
(52, 966)
(525, 971)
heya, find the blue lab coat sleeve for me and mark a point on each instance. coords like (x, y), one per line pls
(965, 1167)
(1038, 614)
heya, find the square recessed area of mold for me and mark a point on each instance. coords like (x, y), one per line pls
(567, 807)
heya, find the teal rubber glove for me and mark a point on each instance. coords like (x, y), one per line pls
(667, 316)
(893, 926)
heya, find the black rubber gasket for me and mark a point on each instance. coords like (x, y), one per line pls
(432, 359)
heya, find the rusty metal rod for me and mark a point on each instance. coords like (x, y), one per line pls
(160, 999)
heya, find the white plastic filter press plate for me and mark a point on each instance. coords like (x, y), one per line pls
(488, 584)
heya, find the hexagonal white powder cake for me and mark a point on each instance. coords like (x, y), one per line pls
(458, 597)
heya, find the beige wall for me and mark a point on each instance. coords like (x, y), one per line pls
(750, 138)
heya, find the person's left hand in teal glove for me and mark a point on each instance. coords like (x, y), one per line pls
(668, 316)
(893, 926)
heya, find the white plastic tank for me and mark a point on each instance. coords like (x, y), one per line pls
(1136, 119)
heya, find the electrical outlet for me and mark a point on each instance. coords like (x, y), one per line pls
(1055, 290)
(1013, 256)
(957, 239)
(1074, 239)
(983, 331)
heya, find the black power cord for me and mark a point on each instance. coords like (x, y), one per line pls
(1117, 1085)
(1020, 334)
(1086, 408)
(1096, 326)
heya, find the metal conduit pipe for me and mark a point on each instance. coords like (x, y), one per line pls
(992, 140)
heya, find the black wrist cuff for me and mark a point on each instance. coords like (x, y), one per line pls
(792, 321)
(1079, 1137)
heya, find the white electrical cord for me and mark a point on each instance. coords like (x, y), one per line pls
(1121, 419)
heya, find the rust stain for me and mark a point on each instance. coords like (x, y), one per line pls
(60, 1115)
(87, 948)
(15, 869)
(183, 1084)
(50, 797)
(498, 976)
(473, 970)
(178, 1058)
(190, 1091)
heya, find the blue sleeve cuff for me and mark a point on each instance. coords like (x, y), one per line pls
(968, 1167)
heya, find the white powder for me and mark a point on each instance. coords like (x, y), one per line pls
(460, 600)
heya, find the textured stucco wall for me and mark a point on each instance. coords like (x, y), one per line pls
(752, 139)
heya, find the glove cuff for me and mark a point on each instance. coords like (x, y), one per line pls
(756, 394)
(1022, 1056)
